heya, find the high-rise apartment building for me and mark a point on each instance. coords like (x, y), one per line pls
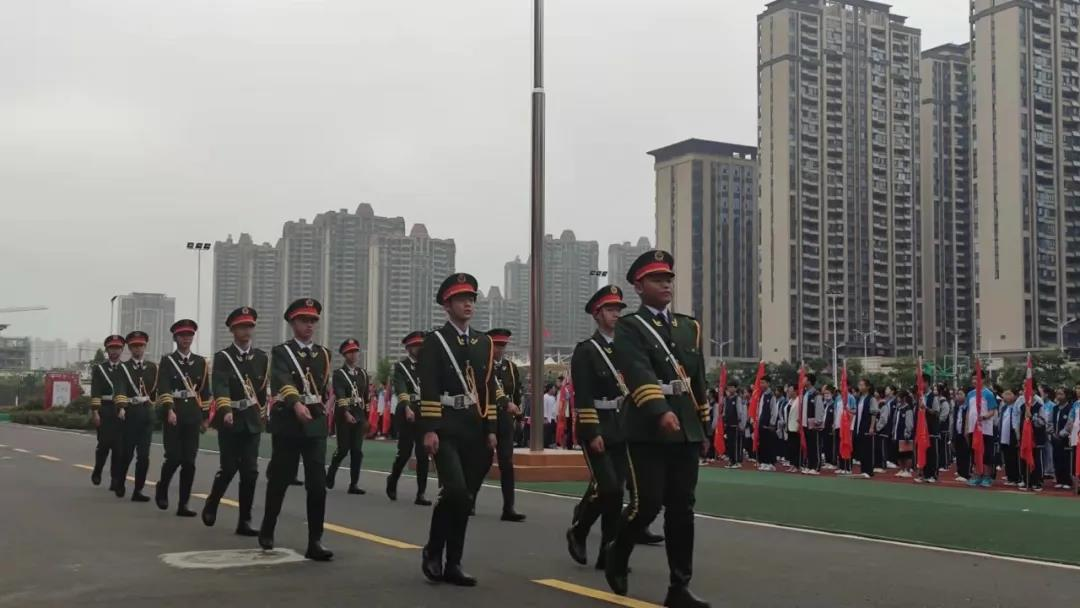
(152, 313)
(948, 253)
(620, 257)
(569, 281)
(405, 272)
(1025, 64)
(246, 274)
(495, 311)
(705, 216)
(838, 125)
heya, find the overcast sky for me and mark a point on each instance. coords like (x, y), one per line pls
(128, 128)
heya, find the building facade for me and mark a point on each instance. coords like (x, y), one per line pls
(570, 279)
(246, 274)
(49, 354)
(705, 216)
(620, 257)
(152, 313)
(948, 253)
(1025, 63)
(839, 176)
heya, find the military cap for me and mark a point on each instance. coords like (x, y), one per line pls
(114, 340)
(651, 262)
(137, 338)
(184, 326)
(499, 336)
(244, 315)
(454, 285)
(348, 346)
(414, 338)
(304, 307)
(606, 296)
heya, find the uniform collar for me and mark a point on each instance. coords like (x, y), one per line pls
(411, 360)
(664, 314)
(462, 333)
(183, 357)
(301, 345)
(242, 351)
(608, 340)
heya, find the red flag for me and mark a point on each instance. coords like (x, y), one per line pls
(802, 408)
(560, 420)
(718, 433)
(755, 401)
(373, 415)
(1027, 434)
(846, 443)
(573, 412)
(976, 433)
(922, 431)
(388, 413)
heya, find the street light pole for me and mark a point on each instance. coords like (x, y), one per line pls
(198, 247)
(112, 314)
(536, 263)
(1061, 332)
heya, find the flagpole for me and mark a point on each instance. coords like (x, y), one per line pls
(536, 261)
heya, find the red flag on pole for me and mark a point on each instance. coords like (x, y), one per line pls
(560, 420)
(388, 413)
(976, 433)
(846, 443)
(1027, 434)
(755, 401)
(718, 434)
(373, 415)
(573, 412)
(802, 408)
(922, 431)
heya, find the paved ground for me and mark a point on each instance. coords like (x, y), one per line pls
(68, 543)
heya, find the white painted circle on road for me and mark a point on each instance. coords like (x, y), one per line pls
(231, 558)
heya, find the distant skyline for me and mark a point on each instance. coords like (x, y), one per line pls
(123, 138)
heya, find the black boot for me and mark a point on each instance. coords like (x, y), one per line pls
(577, 549)
(138, 496)
(331, 473)
(391, 488)
(266, 540)
(682, 597)
(243, 528)
(512, 515)
(161, 495)
(209, 511)
(95, 477)
(422, 500)
(317, 552)
(614, 571)
(431, 566)
(119, 488)
(648, 538)
(454, 575)
(355, 490)
(184, 511)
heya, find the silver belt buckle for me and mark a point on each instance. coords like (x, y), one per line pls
(677, 387)
(241, 405)
(459, 402)
(414, 397)
(310, 399)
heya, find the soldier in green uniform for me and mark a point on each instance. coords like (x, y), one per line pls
(141, 377)
(659, 354)
(407, 389)
(350, 415)
(241, 374)
(601, 427)
(506, 377)
(300, 378)
(184, 397)
(458, 400)
(108, 398)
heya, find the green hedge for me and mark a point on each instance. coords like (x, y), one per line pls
(58, 418)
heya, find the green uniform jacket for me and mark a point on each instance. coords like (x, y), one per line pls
(196, 373)
(108, 388)
(474, 355)
(142, 389)
(287, 384)
(593, 380)
(228, 389)
(350, 394)
(406, 386)
(644, 364)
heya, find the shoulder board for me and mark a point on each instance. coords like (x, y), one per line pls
(682, 316)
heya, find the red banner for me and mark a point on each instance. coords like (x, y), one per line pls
(846, 443)
(1027, 434)
(976, 433)
(922, 432)
(802, 408)
(755, 401)
(721, 396)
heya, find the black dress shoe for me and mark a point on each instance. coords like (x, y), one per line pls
(209, 516)
(391, 490)
(616, 579)
(329, 482)
(317, 552)
(119, 490)
(576, 548)
(244, 529)
(648, 538)
(296, 482)
(162, 501)
(356, 490)
(431, 566)
(422, 501)
(266, 541)
(183, 511)
(456, 576)
(138, 496)
(512, 516)
(95, 478)
(682, 597)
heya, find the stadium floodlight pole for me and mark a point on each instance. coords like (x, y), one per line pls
(198, 247)
(112, 314)
(536, 262)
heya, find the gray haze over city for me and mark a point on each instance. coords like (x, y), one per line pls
(129, 128)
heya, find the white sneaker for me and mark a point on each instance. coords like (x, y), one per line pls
(1009, 483)
(1058, 486)
(891, 465)
(931, 480)
(828, 467)
(1022, 485)
(812, 472)
(919, 480)
(879, 470)
(865, 475)
(961, 479)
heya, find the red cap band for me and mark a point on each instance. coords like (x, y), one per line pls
(186, 329)
(500, 340)
(459, 288)
(137, 342)
(604, 301)
(414, 341)
(243, 320)
(350, 348)
(112, 343)
(304, 311)
(652, 269)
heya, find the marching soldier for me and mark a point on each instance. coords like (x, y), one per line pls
(184, 397)
(506, 377)
(141, 377)
(350, 415)
(299, 376)
(108, 398)
(659, 353)
(601, 427)
(241, 374)
(458, 400)
(407, 388)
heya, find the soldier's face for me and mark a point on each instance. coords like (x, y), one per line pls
(460, 308)
(183, 341)
(303, 328)
(114, 352)
(655, 289)
(607, 316)
(242, 333)
(352, 357)
(414, 351)
(137, 350)
(498, 350)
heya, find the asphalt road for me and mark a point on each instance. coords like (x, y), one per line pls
(67, 543)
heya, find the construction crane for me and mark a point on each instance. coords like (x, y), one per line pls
(23, 309)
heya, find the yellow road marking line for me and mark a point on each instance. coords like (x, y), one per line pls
(595, 594)
(83, 466)
(3, 445)
(21, 451)
(224, 501)
(145, 481)
(49, 458)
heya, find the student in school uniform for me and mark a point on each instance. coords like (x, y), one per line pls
(902, 432)
(961, 437)
(1059, 440)
(830, 414)
(866, 410)
(1031, 477)
(791, 414)
(943, 438)
(1045, 399)
(766, 428)
(983, 421)
(882, 425)
(936, 404)
(1009, 439)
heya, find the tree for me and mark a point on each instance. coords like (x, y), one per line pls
(99, 357)
(382, 371)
